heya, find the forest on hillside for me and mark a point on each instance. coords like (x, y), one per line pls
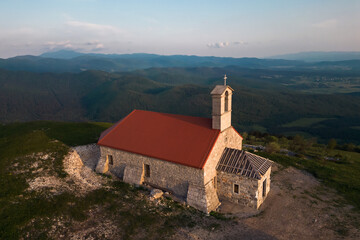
(279, 100)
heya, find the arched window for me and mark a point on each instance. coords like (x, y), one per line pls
(226, 101)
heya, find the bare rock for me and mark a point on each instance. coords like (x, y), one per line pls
(156, 193)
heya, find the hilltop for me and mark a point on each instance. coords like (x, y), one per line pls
(49, 190)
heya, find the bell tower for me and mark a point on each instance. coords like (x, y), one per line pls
(221, 106)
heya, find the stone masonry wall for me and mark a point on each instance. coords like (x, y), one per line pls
(221, 119)
(228, 138)
(247, 189)
(170, 176)
(250, 190)
(260, 198)
(204, 198)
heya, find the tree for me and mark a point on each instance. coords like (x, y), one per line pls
(270, 139)
(298, 143)
(272, 147)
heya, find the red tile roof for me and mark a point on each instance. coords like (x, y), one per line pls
(175, 138)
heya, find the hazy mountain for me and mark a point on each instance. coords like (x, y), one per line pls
(61, 54)
(69, 61)
(319, 56)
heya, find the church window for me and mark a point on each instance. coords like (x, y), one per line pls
(236, 188)
(215, 182)
(110, 159)
(226, 101)
(147, 170)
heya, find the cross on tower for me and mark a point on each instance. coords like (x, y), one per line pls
(225, 80)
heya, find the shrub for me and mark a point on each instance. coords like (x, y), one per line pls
(272, 147)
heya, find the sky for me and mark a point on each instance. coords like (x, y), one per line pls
(253, 28)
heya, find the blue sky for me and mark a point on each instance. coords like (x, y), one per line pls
(257, 28)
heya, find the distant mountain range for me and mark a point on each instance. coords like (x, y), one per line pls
(70, 61)
(62, 54)
(319, 56)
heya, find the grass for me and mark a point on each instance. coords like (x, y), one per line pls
(304, 122)
(219, 216)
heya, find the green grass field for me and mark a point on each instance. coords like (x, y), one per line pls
(304, 122)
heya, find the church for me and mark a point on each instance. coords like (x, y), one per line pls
(199, 160)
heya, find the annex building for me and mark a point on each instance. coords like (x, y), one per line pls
(197, 159)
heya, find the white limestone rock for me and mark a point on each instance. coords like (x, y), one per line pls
(156, 193)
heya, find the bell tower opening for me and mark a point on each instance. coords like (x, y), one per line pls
(221, 106)
(226, 101)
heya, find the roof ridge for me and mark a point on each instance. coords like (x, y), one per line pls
(257, 156)
(175, 114)
(256, 170)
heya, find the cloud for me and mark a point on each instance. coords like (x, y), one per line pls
(218, 45)
(98, 47)
(93, 27)
(329, 23)
(61, 44)
(240, 43)
(94, 45)
(225, 44)
(79, 46)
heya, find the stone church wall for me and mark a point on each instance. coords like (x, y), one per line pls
(169, 176)
(247, 189)
(262, 198)
(228, 138)
(204, 198)
(250, 190)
